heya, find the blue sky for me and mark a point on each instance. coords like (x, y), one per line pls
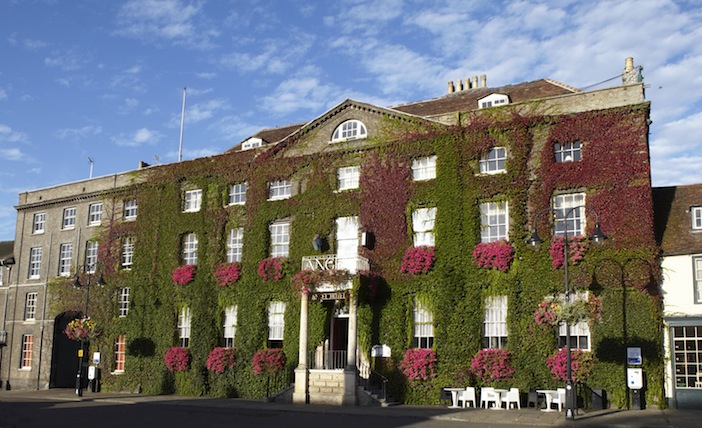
(104, 79)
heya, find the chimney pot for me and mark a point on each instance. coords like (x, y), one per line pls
(483, 81)
(451, 89)
(459, 85)
(475, 82)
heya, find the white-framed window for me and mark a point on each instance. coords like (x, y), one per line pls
(39, 222)
(579, 332)
(192, 200)
(697, 273)
(349, 130)
(696, 213)
(251, 143)
(235, 244)
(190, 249)
(27, 347)
(69, 218)
(423, 226)
(494, 221)
(95, 214)
(424, 168)
(237, 194)
(280, 238)
(495, 322)
(348, 177)
(687, 356)
(494, 161)
(123, 301)
(127, 257)
(571, 205)
(276, 324)
(493, 100)
(423, 326)
(184, 320)
(34, 262)
(91, 256)
(279, 189)
(120, 353)
(229, 327)
(30, 306)
(130, 209)
(65, 259)
(567, 152)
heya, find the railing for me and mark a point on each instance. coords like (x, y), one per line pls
(278, 382)
(334, 262)
(327, 360)
(372, 381)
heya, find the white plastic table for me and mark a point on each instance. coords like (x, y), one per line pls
(454, 396)
(549, 393)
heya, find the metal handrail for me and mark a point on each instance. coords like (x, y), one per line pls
(372, 381)
(327, 359)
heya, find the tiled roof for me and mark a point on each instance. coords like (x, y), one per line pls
(468, 99)
(458, 101)
(673, 222)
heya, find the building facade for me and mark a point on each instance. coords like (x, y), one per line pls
(370, 241)
(679, 229)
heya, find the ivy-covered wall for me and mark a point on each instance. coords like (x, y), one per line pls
(613, 172)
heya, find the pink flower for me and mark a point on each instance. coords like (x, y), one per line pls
(545, 314)
(494, 255)
(227, 273)
(268, 361)
(418, 260)
(221, 359)
(419, 364)
(177, 359)
(183, 275)
(581, 364)
(576, 250)
(305, 280)
(271, 269)
(492, 364)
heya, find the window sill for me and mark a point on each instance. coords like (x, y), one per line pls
(279, 198)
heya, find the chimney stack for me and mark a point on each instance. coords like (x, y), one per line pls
(631, 75)
(475, 82)
(483, 81)
(451, 88)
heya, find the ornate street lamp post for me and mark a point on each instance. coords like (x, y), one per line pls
(597, 237)
(89, 269)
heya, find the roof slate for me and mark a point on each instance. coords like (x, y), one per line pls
(673, 222)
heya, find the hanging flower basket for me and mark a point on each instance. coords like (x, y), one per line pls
(227, 274)
(553, 311)
(492, 365)
(307, 280)
(576, 250)
(418, 260)
(183, 275)
(177, 359)
(581, 364)
(271, 269)
(494, 255)
(419, 364)
(268, 361)
(81, 329)
(221, 359)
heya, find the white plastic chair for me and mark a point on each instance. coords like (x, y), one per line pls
(467, 396)
(560, 398)
(488, 395)
(512, 398)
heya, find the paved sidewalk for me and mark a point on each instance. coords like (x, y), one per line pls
(652, 418)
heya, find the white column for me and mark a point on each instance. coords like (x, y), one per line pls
(353, 334)
(301, 378)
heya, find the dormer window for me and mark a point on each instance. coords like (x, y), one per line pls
(349, 130)
(494, 161)
(251, 143)
(696, 213)
(493, 100)
(567, 152)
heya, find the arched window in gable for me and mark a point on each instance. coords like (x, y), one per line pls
(349, 130)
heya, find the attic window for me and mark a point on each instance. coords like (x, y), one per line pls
(493, 100)
(696, 213)
(252, 143)
(349, 130)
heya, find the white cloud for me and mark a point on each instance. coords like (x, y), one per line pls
(7, 135)
(166, 20)
(272, 56)
(3, 94)
(140, 137)
(69, 60)
(11, 154)
(78, 133)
